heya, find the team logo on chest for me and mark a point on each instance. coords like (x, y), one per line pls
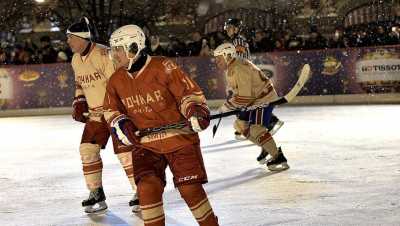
(89, 78)
(139, 100)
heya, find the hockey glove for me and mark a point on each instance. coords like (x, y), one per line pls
(124, 129)
(199, 117)
(80, 107)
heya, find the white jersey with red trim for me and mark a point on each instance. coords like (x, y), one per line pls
(249, 84)
(92, 72)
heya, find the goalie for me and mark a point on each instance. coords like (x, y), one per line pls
(250, 87)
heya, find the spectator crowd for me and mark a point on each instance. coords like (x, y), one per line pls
(198, 44)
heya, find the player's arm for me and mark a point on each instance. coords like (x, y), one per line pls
(114, 113)
(192, 102)
(243, 96)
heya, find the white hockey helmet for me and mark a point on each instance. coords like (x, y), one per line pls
(225, 50)
(125, 37)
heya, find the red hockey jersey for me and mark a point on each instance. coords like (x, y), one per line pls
(158, 94)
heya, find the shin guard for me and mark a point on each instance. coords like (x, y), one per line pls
(92, 165)
(125, 159)
(259, 135)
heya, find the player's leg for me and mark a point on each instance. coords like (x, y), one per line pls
(189, 173)
(274, 124)
(124, 154)
(242, 125)
(262, 116)
(94, 137)
(92, 171)
(260, 136)
(149, 171)
(256, 132)
(244, 116)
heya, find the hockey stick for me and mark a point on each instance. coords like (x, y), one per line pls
(147, 131)
(215, 127)
(92, 114)
(303, 78)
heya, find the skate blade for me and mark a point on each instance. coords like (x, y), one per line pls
(240, 137)
(277, 126)
(263, 158)
(98, 208)
(136, 209)
(279, 167)
(262, 161)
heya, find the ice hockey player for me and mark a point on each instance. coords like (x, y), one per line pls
(251, 87)
(233, 28)
(93, 67)
(151, 92)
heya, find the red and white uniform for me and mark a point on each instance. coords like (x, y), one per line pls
(92, 73)
(158, 94)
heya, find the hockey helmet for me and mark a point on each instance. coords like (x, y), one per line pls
(131, 38)
(225, 50)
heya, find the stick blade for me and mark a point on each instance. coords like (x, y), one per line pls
(303, 78)
(214, 130)
(305, 72)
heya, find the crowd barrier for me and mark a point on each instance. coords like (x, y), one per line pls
(339, 76)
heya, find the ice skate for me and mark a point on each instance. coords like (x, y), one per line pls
(274, 125)
(134, 203)
(279, 163)
(96, 201)
(239, 136)
(262, 157)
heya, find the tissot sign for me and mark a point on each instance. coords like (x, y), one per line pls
(378, 70)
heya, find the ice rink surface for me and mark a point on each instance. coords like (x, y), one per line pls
(345, 170)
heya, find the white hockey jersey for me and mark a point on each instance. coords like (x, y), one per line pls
(92, 73)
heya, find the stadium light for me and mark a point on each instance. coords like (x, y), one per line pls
(39, 1)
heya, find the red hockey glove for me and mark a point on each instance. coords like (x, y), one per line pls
(80, 107)
(124, 129)
(199, 117)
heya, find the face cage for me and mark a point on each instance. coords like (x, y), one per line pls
(126, 50)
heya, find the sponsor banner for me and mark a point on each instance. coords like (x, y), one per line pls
(6, 87)
(334, 71)
(338, 71)
(36, 86)
(204, 71)
(378, 70)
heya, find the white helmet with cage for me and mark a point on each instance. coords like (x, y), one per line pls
(226, 50)
(125, 37)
